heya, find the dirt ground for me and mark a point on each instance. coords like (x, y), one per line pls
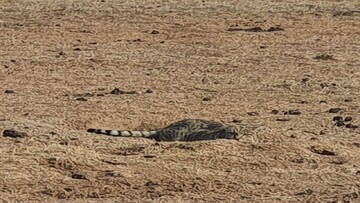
(216, 60)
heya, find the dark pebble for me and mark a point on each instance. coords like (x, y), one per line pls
(305, 80)
(323, 102)
(282, 119)
(13, 60)
(118, 91)
(273, 29)
(347, 100)
(236, 121)
(293, 112)
(339, 123)
(322, 151)
(81, 99)
(234, 29)
(149, 156)
(334, 110)
(77, 49)
(254, 29)
(349, 125)
(155, 32)
(338, 118)
(9, 91)
(14, 134)
(324, 57)
(149, 91)
(78, 176)
(323, 85)
(348, 118)
(275, 111)
(206, 99)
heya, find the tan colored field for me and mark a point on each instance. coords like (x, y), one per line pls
(193, 59)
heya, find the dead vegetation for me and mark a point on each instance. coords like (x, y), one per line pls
(279, 64)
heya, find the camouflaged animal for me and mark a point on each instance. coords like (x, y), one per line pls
(186, 130)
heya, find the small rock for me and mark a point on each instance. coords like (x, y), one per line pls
(293, 112)
(77, 49)
(149, 156)
(206, 99)
(117, 91)
(9, 91)
(323, 85)
(324, 57)
(262, 47)
(13, 60)
(275, 111)
(155, 32)
(236, 121)
(78, 176)
(282, 119)
(339, 123)
(322, 132)
(334, 110)
(254, 29)
(322, 102)
(322, 151)
(6, 66)
(14, 134)
(348, 119)
(149, 91)
(151, 183)
(349, 125)
(109, 173)
(338, 118)
(81, 99)
(305, 80)
(253, 113)
(347, 100)
(273, 29)
(234, 29)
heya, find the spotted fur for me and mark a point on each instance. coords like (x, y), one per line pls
(186, 130)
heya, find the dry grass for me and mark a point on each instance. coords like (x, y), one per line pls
(53, 52)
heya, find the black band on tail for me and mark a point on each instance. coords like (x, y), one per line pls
(91, 130)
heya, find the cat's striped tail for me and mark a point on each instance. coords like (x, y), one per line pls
(123, 133)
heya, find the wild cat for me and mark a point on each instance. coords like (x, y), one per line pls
(186, 130)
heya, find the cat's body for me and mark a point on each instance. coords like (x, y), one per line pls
(185, 130)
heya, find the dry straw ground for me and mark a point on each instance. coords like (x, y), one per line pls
(62, 58)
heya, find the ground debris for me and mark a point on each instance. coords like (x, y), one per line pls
(14, 134)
